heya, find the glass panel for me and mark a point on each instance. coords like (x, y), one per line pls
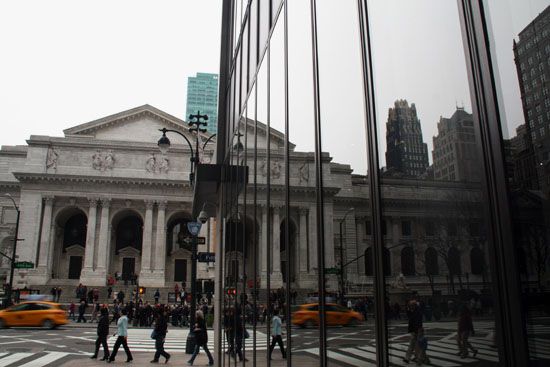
(521, 53)
(253, 59)
(264, 24)
(244, 73)
(346, 205)
(431, 188)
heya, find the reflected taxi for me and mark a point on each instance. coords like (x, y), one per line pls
(33, 313)
(307, 315)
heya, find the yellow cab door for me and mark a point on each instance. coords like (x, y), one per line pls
(17, 315)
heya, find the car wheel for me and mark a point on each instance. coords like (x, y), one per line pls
(48, 324)
(310, 324)
(353, 322)
(3, 324)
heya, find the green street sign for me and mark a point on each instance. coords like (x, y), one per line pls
(24, 265)
(335, 271)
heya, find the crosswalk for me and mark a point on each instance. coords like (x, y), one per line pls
(41, 359)
(139, 340)
(442, 353)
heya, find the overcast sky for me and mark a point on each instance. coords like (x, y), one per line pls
(66, 62)
(69, 62)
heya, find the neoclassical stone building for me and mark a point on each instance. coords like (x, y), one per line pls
(103, 199)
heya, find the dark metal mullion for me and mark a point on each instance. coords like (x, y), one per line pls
(374, 185)
(512, 338)
(268, 201)
(255, 236)
(287, 194)
(319, 187)
(244, 163)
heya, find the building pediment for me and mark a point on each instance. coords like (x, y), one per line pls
(75, 250)
(128, 251)
(140, 124)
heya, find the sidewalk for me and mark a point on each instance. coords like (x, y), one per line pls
(180, 359)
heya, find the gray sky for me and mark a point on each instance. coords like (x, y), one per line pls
(69, 62)
(65, 62)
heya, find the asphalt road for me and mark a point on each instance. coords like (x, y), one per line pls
(347, 346)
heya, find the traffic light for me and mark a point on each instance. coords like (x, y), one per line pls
(231, 291)
(141, 290)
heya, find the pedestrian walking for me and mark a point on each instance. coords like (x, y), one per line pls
(95, 312)
(109, 292)
(415, 324)
(201, 339)
(465, 329)
(102, 332)
(72, 309)
(58, 292)
(81, 310)
(159, 334)
(276, 334)
(422, 348)
(122, 332)
(157, 296)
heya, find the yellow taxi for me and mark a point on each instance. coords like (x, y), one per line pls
(307, 315)
(33, 313)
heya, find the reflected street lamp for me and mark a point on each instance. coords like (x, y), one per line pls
(342, 256)
(12, 260)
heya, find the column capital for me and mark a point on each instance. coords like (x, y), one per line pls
(48, 199)
(105, 202)
(162, 204)
(277, 208)
(303, 211)
(149, 204)
(93, 201)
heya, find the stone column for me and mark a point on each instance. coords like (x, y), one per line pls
(90, 236)
(313, 240)
(160, 244)
(103, 243)
(303, 240)
(45, 235)
(276, 275)
(263, 243)
(147, 239)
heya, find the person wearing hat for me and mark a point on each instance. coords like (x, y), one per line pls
(102, 332)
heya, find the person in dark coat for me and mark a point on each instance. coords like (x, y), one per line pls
(415, 324)
(102, 332)
(157, 296)
(201, 339)
(465, 329)
(161, 328)
(81, 311)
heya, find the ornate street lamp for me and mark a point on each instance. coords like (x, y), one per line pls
(12, 260)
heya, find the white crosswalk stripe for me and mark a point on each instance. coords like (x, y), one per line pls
(442, 353)
(39, 359)
(139, 340)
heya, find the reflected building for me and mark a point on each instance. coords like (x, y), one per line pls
(202, 95)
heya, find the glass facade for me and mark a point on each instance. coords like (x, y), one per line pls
(395, 203)
(202, 95)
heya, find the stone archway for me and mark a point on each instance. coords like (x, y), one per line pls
(127, 226)
(240, 237)
(178, 250)
(69, 243)
(292, 230)
(6, 246)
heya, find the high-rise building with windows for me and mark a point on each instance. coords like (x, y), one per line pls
(202, 95)
(455, 156)
(532, 55)
(406, 151)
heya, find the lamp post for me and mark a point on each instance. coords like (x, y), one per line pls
(195, 124)
(342, 256)
(15, 239)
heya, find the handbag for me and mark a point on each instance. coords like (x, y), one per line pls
(154, 334)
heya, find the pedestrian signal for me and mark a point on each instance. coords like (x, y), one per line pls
(141, 290)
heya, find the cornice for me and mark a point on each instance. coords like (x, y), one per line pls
(45, 177)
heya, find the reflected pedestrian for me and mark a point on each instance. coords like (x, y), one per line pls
(159, 333)
(72, 309)
(415, 324)
(102, 332)
(201, 339)
(465, 329)
(81, 310)
(122, 331)
(276, 334)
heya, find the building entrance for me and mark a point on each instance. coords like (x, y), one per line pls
(128, 267)
(75, 266)
(180, 270)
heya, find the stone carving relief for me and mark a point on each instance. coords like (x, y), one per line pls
(103, 161)
(275, 169)
(157, 164)
(304, 173)
(51, 158)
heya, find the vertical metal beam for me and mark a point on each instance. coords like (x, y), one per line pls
(481, 76)
(319, 187)
(268, 201)
(374, 185)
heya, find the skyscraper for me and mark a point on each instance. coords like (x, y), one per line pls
(455, 156)
(532, 52)
(406, 151)
(202, 95)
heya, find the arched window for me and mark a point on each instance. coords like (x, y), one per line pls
(477, 261)
(407, 261)
(432, 265)
(368, 262)
(454, 261)
(74, 232)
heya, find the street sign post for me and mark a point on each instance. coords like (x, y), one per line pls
(206, 257)
(23, 265)
(194, 227)
(200, 240)
(335, 271)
